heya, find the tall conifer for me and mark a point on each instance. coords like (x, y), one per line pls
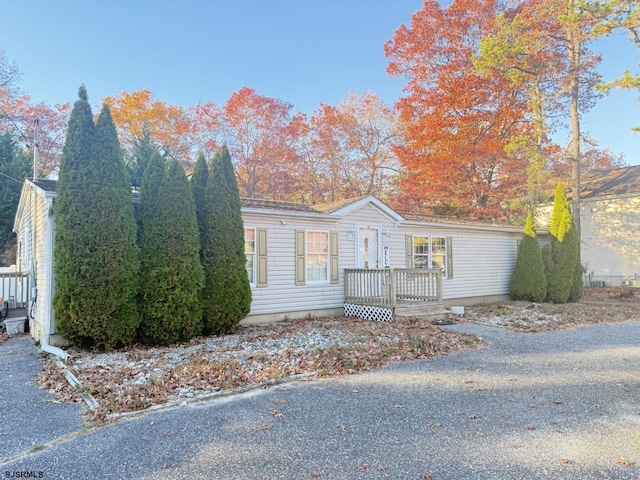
(96, 260)
(74, 242)
(172, 273)
(561, 256)
(227, 293)
(528, 281)
(198, 188)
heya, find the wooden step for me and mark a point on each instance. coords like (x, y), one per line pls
(430, 311)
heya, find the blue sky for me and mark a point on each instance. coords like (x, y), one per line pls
(303, 52)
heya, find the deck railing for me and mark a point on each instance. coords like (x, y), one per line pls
(14, 288)
(387, 287)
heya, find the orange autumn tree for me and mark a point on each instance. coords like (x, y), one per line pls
(18, 113)
(168, 125)
(351, 148)
(457, 122)
(263, 138)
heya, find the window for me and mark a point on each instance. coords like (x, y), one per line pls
(250, 252)
(317, 261)
(430, 252)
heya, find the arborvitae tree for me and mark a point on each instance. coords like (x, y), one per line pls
(198, 186)
(74, 242)
(143, 150)
(528, 281)
(97, 235)
(227, 294)
(172, 274)
(149, 191)
(562, 255)
(575, 293)
(14, 167)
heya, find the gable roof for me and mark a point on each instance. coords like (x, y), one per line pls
(617, 181)
(349, 205)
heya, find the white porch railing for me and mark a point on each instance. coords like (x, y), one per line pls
(391, 287)
(14, 288)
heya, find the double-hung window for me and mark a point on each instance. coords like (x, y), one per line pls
(317, 261)
(250, 252)
(430, 252)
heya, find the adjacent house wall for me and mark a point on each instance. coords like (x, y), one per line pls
(34, 230)
(611, 240)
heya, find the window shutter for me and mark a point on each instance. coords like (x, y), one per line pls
(449, 257)
(333, 251)
(301, 268)
(261, 257)
(408, 250)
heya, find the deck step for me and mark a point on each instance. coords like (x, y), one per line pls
(430, 311)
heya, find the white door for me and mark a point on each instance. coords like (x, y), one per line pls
(368, 247)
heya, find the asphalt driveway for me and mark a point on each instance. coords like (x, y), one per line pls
(561, 405)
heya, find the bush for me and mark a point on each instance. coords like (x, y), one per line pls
(562, 256)
(528, 281)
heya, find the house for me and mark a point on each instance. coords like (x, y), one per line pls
(310, 260)
(610, 226)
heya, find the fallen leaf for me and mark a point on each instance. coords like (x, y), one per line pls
(625, 463)
(512, 445)
(529, 427)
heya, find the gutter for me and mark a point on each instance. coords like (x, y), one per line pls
(48, 318)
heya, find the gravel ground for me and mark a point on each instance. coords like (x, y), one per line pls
(557, 405)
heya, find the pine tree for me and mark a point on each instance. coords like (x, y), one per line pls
(149, 191)
(198, 188)
(172, 274)
(143, 150)
(227, 294)
(74, 242)
(14, 167)
(528, 281)
(561, 256)
(117, 261)
(96, 259)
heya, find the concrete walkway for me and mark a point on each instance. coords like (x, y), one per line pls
(563, 405)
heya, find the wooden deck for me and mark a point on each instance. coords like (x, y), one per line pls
(390, 293)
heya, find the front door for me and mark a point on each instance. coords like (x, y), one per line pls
(368, 247)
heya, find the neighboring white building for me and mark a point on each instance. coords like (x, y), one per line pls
(610, 226)
(297, 254)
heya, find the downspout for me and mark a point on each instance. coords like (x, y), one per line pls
(48, 318)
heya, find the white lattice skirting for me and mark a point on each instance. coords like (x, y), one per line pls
(367, 312)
